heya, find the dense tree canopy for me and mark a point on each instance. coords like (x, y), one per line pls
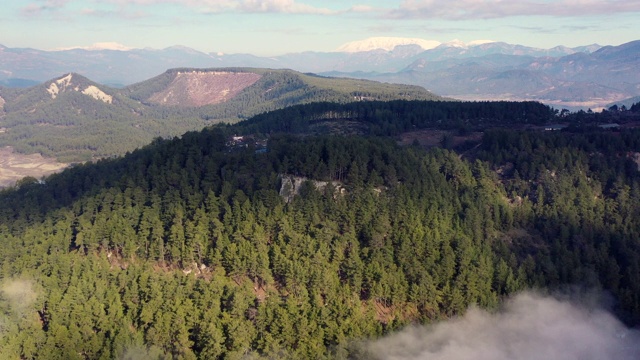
(186, 248)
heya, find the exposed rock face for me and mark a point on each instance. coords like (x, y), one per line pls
(199, 88)
(66, 83)
(97, 94)
(290, 186)
(59, 85)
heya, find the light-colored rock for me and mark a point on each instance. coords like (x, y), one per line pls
(59, 85)
(53, 90)
(65, 81)
(65, 84)
(200, 88)
(98, 94)
(290, 186)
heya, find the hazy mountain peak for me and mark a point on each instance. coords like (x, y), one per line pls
(588, 48)
(99, 46)
(455, 43)
(385, 43)
(480, 42)
(183, 48)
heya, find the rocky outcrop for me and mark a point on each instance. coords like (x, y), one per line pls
(200, 88)
(290, 186)
(66, 84)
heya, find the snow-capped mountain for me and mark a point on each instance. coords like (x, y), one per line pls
(479, 69)
(100, 46)
(385, 43)
(390, 43)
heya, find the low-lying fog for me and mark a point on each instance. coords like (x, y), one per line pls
(529, 326)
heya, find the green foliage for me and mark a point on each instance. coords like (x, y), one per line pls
(578, 192)
(185, 249)
(394, 117)
(74, 127)
(189, 249)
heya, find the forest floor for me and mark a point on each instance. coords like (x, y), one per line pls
(15, 166)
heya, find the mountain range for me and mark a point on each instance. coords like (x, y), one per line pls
(76, 119)
(580, 77)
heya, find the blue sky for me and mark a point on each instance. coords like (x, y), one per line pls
(274, 27)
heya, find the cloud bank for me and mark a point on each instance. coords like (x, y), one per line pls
(492, 9)
(405, 9)
(530, 327)
(202, 6)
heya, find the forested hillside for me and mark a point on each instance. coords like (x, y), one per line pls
(76, 120)
(186, 248)
(391, 118)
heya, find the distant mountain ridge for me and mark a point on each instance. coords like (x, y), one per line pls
(588, 76)
(492, 71)
(124, 67)
(386, 43)
(76, 119)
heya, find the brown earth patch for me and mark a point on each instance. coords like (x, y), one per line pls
(199, 88)
(14, 166)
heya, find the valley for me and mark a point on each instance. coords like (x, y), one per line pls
(15, 166)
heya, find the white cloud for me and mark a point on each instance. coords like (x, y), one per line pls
(280, 6)
(490, 9)
(363, 9)
(38, 7)
(245, 6)
(529, 327)
(124, 7)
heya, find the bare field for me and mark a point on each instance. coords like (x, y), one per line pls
(14, 166)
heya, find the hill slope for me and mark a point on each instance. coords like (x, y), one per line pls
(189, 248)
(75, 119)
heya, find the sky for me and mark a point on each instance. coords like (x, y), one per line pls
(276, 27)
